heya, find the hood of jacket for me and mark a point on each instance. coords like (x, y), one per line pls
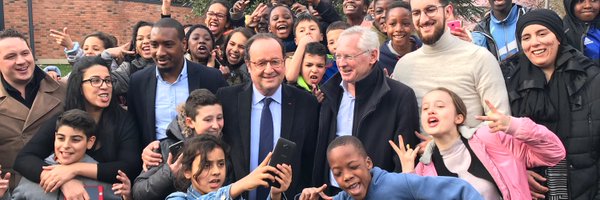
(174, 130)
(575, 28)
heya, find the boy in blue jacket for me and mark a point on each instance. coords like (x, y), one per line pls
(354, 172)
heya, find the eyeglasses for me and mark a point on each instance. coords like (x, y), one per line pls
(430, 11)
(348, 57)
(275, 63)
(97, 81)
(217, 15)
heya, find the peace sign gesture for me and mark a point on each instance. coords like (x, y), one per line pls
(497, 120)
(407, 155)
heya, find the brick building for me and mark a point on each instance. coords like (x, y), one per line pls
(81, 17)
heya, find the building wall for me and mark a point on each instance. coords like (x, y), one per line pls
(83, 17)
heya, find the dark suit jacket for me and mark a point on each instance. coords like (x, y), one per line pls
(299, 113)
(384, 108)
(141, 96)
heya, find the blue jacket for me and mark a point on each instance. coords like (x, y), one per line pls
(385, 185)
(498, 36)
(193, 194)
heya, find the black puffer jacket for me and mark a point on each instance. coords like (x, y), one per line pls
(582, 142)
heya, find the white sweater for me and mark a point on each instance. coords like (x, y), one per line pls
(470, 71)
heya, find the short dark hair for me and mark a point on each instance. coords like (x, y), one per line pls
(347, 140)
(339, 25)
(261, 36)
(303, 17)
(171, 23)
(316, 48)
(108, 40)
(79, 120)
(199, 97)
(200, 145)
(283, 6)
(11, 33)
(397, 4)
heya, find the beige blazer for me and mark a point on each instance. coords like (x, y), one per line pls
(19, 123)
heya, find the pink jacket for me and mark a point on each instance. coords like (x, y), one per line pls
(507, 155)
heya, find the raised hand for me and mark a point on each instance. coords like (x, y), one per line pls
(314, 193)
(62, 38)
(175, 166)
(407, 155)
(497, 120)
(118, 53)
(240, 6)
(166, 7)
(298, 8)
(255, 179)
(122, 189)
(4, 182)
(256, 15)
(320, 95)
(461, 33)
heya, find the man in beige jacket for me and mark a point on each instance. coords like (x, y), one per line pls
(28, 96)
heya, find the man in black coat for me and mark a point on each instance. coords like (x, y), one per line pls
(155, 92)
(293, 115)
(363, 102)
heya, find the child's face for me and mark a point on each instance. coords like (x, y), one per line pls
(71, 144)
(306, 28)
(313, 68)
(587, 10)
(281, 22)
(351, 170)
(399, 26)
(380, 9)
(212, 176)
(209, 120)
(438, 114)
(235, 48)
(332, 37)
(93, 46)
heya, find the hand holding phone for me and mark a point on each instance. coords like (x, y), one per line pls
(174, 149)
(283, 154)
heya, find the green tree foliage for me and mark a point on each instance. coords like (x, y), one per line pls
(465, 9)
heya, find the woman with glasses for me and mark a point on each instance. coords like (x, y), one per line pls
(117, 145)
(218, 19)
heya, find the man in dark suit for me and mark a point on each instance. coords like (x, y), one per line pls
(155, 92)
(251, 128)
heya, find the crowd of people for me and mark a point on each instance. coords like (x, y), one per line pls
(389, 99)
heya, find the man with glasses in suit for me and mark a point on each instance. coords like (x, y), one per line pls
(258, 113)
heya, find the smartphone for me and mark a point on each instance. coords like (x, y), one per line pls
(454, 24)
(175, 148)
(283, 154)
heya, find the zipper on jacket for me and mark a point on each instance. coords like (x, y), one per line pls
(582, 39)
